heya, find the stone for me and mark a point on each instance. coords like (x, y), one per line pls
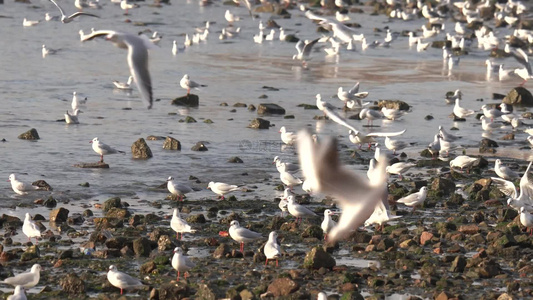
(318, 258)
(221, 251)
(29, 135)
(235, 160)
(469, 229)
(188, 119)
(117, 213)
(142, 247)
(488, 143)
(189, 100)
(458, 264)
(313, 231)
(171, 143)
(283, 287)
(519, 96)
(43, 185)
(148, 267)
(140, 150)
(259, 123)
(59, 215)
(270, 109)
(96, 165)
(173, 291)
(50, 202)
(196, 219)
(425, 237)
(205, 292)
(446, 186)
(508, 137)
(164, 243)
(199, 147)
(31, 253)
(72, 284)
(66, 254)
(112, 202)
(395, 104)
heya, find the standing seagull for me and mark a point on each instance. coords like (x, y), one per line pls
(137, 58)
(30, 229)
(103, 149)
(221, 188)
(526, 218)
(272, 249)
(76, 102)
(178, 189)
(327, 224)
(65, 19)
(181, 263)
(188, 84)
(415, 198)
(18, 294)
(123, 85)
(461, 112)
(504, 171)
(20, 187)
(72, 118)
(287, 178)
(241, 234)
(26, 280)
(297, 210)
(179, 225)
(122, 280)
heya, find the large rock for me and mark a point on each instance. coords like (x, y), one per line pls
(395, 104)
(112, 202)
(189, 100)
(29, 135)
(318, 258)
(171, 144)
(140, 149)
(171, 291)
(446, 186)
(259, 123)
(72, 284)
(200, 146)
(283, 287)
(221, 251)
(142, 247)
(269, 109)
(59, 215)
(519, 96)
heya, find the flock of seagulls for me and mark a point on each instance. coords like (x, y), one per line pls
(361, 201)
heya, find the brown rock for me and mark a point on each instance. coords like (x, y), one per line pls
(283, 287)
(259, 123)
(59, 215)
(171, 144)
(140, 150)
(425, 237)
(29, 135)
(72, 284)
(520, 96)
(469, 229)
(270, 108)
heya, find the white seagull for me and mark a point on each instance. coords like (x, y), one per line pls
(287, 137)
(272, 249)
(297, 210)
(123, 85)
(461, 112)
(328, 223)
(122, 280)
(188, 84)
(76, 101)
(462, 161)
(287, 178)
(20, 187)
(177, 188)
(395, 144)
(137, 58)
(179, 225)
(242, 235)
(415, 199)
(65, 19)
(304, 50)
(181, 263)
(18, 294)
(31, 229)
(526, 218)
(221, 188)
(103, 149)
(504, 171)
(26, 280)
(72, 118)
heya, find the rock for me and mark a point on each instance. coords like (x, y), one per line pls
(270, 108)
(140, 150)
(283, 287)
(488, 143)
(469, 229)
(204, 292)
(199, 147)
(313, 231)
(519, 96)
(96, 165)
(440, 44)
(208, 121)
(31, 253)
(446, 186)
(251, 107)
(259, 123)
(458, 264)
(164, 243)
(188, 119)
(117, 213)
(189, 100)
(72, 284)
(196, 219)
(239, 104)
(66, 254)
(235, 159)
(318, 258)
(43, 185)
(29, 135)
(50, 202)
(142, 247)
(221, 251)
(148, 267)
(59, 215)
(425, 237)
(171, 143)
(170, 291)
(396, 104)
(112, 202)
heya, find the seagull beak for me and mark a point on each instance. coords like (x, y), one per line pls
(90, 142)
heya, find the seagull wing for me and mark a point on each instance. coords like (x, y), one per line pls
(80, 13)
(522, 58)
(335, 117)
(310, 15)
(526, 184)
(354, 89)
(58, 7)
(505, 186)
(386, 134)
(138, 63)
(307, 48)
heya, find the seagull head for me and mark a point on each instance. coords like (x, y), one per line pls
(170, 178)
(11, 177)
(234, 223)
(178, 250)
(95, 140)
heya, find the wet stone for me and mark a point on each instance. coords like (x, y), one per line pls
(259, 123)
(72, 284)
(189, 100)
(171, 143)
(140, 149)
(59, 215)
(270, 108)
(200, 146)
(29, 135)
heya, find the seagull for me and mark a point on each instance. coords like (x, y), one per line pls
(76, 102)
(392, 113)
(287, 178)
(49, 17)
(20, 187)
(504, 171)
(487, 125)
(122, 280)
(26, 280)
(462, 161)
(328, 223)
(456, 95)
(29, 23)
(394, 144)
(72, 118)
(123, 85)
(221, 188)
(291, 168)
(297, 210)
(491, 112)
(370, 115)
(18, 294)
(283, 205)
(381, 215)
(188, 84)
(103, 149)
(65, 19)
(399, 168)
(230, 17)
(124, 5)
(352, 94)
(137, 58)
(526, 218)
(46, 51)
(179, 225)
(304, 50)
(523, 59)
(516, 200)
(272, 249)
(241, 234)
(287, 137)
(447, 136)
(181, 263)
(461, 112)
(30, 228)
(356, 196)
(415, 198)
(178, 189)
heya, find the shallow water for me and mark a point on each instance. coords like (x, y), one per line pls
(36, 92)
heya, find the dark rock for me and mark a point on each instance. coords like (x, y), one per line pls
(428, 117)
(171, 143)
(189, 100)
(155, 138)
(208, 121)
(148, 267)
(50, 202)
(116, 242)
(112, 202)
(188, 119)
(142, 247)
(235, 159)
(96, 165)
(440, 44)
(313, 231)
(221, 251)
(85, 184)
(72, 284)
(238, 104)
(318, 258)
(396, 104)
(59, 215)
(199, 147)
(43, 185)
(508, 137)
(170, 291)
(308, 106)
(259, 123)
(31, 253)
(519, 96)
(205, 292)
(251, 107)
(458, 264)
(270, 108)
(66, 254)
(140, 149)
(488, 143)
(196, 219)
(29, 135)
(117, 213)
(446, 186)
(283, 287)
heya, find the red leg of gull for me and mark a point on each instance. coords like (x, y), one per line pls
(178, 279)
(121, 291)
(276, 262)
(242, 248)
(266, 262)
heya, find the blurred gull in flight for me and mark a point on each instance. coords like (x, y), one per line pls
(65, 19)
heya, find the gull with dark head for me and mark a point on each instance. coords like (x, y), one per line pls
(177, 188)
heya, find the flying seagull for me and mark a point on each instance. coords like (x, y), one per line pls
(65, 19)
